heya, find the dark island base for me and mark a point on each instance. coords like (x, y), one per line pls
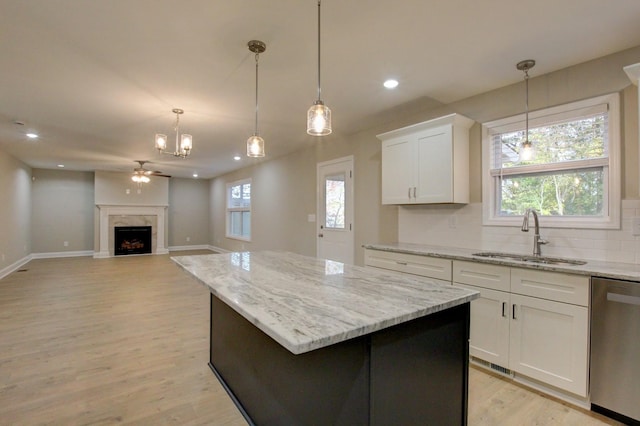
(415, 373)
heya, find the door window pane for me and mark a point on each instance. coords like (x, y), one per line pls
(334, 201)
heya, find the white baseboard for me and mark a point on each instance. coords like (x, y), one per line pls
(14, 266)
(218, 249)
(184, 248)
(52, 255)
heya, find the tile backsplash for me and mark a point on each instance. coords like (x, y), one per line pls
(461, 226)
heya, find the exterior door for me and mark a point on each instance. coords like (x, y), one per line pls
(335, 239)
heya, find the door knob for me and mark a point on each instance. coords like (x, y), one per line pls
(320, 235)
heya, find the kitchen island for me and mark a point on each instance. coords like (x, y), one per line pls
(300, 340)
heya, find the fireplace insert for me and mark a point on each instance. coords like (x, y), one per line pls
(132, 240)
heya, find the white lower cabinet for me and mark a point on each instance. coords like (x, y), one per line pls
(542, 339)
(489, 334)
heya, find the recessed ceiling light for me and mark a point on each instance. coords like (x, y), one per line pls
(391, 84)
(195, 175)
(32, 135)
(61, 166)
(237, 158)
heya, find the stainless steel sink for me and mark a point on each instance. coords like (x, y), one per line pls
(532, 259)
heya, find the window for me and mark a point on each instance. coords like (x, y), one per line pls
(573, 180)
(239, 210)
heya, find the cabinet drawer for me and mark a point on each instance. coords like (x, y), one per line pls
(482, 275)
(425, 266)
(554, 286)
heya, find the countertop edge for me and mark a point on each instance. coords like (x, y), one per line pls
(614, 270)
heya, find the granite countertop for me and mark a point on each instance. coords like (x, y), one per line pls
(306, 303)
(615, 270)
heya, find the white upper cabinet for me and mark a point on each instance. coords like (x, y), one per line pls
(427, 163)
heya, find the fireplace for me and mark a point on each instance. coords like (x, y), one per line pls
(132, 240)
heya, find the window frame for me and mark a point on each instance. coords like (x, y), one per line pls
(230, 210)
(612, 172)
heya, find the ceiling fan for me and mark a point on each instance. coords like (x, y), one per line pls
(141, 174)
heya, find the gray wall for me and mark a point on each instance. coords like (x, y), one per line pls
(188, 212)
(118, 189)
(15, 210)
(284, 189)
(62, 211)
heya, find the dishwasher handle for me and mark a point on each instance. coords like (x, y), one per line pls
(623, 298)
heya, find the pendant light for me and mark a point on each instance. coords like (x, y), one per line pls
(184, 142)
(319, 115)
(255, 144)
(527, 151)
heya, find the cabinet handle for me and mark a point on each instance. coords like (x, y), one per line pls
(409, 192)
(504, 306)
(414, 192)
(401, 263)
(513, 312)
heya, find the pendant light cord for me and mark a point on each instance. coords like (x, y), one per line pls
(526, 106)
(319, 90)
(256, 132)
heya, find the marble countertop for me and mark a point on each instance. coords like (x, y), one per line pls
(623, 271)
(306, 303)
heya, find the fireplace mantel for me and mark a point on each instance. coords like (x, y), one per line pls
(107, 211)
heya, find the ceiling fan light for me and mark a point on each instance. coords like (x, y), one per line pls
(161, 142)
(255, 146)
(144, 179)
(319, 119)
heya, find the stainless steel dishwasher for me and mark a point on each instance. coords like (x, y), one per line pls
(615, 349)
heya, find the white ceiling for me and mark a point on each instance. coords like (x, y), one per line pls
(98, 78)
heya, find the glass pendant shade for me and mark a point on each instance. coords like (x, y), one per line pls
(319, 119)
(255, 146)
(186, 143)
(161, 142)
(527, 151)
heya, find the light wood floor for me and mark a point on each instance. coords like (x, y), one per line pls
(125, 341)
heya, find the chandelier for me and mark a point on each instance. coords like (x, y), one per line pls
(184, 142)
(319, 115)
(255, 144)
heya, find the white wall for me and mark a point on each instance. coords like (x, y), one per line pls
(15, 212)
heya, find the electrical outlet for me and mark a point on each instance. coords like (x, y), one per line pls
(188, 239)
(66, 244)
(635, 226)
(3, 257)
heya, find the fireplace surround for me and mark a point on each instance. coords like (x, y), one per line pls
(110, 216)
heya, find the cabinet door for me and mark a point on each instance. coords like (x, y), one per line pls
(489, 331)
(434, 179)
(398, 171)
(549, 342)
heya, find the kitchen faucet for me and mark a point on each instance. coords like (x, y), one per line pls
(537, 239)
